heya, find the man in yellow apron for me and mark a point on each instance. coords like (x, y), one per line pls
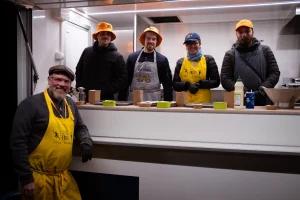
(196, 73)
(43, 131)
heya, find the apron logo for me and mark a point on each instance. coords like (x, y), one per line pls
(194, 72)
(56, 139)
(147, 79)
(56, 135)
(141, 78)
(66, 137)
(186, 73)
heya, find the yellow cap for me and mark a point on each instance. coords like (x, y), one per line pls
(104, 26)
(244, 22)
(154, 30)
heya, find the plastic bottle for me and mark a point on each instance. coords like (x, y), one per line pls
(239, 94)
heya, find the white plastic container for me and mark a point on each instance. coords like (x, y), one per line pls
(239, 94)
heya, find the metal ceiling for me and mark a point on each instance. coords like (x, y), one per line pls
(108, 8)
(50, 4)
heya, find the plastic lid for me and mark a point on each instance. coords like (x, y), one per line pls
(239, 79)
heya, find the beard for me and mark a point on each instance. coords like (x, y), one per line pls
(245, 42)
(57, 92)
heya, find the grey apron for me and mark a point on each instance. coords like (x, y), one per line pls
(145, 77)
(257, 60)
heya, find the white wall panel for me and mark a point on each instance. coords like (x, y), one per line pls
(73, 45)
(48, 39)
(124, 41)
(172, 182)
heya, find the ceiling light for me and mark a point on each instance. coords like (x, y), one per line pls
(38, 17)
(196, 8)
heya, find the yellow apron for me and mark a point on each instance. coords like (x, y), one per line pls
(51, 159)
(193, 72)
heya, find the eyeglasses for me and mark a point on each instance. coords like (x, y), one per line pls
(58, 80)
(192, 43)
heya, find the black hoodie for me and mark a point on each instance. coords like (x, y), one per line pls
(101, 68)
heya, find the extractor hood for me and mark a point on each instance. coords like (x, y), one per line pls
(293, 26)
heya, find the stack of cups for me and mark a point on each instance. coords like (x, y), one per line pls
(94, 96)
(181, 99)
(137, 96)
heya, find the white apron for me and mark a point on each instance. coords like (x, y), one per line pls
(145, 77)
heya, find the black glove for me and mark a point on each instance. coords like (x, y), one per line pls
(186, 85)
(86, 152)
(193, 88)
(198, 85)
(261, 98)
(257, 93)
(260, 92)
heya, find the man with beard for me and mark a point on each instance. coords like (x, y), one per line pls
(43, 131)
(100, 66)
(148, 69)
(253, 62)
(196, 73)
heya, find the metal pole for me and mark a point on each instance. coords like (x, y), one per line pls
(36, 75)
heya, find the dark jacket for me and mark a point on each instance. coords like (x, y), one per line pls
(212, 75)
(228, 66)
(163, 69)
(101, 68)
(29, 127)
